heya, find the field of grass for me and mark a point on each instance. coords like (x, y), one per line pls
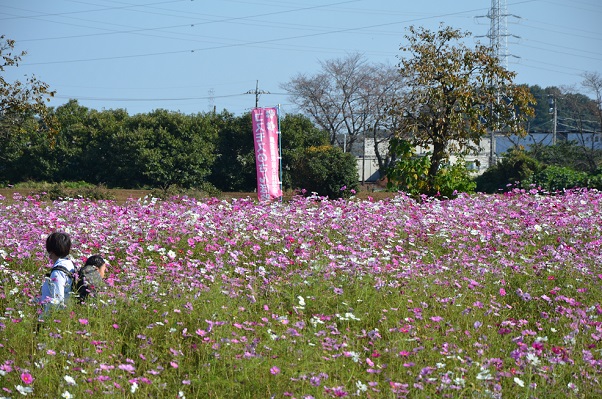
(476, 297)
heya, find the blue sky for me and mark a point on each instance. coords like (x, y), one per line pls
(193, 55)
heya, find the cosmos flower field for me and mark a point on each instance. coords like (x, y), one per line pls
(483, 296)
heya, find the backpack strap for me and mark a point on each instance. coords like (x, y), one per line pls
(62, 269)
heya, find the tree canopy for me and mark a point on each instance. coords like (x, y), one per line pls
(19, 101)
(455, 95)
(349, 98)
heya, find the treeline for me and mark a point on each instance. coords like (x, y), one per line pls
(163, 148)
(565, 165)
(575, 112)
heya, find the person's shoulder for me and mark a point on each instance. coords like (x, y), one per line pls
(89, 272)
(67, 263)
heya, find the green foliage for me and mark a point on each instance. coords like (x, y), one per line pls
(177, 148)
(110, 147)
(20, 101)
(449, 102)
(554, 178)
(595, 181)
(453, 179)
(575, 111)
(71, 190)
(562, 166)
(325, 170)
(298, 133)
(234, 167)
(205, 190)
(409, 174)
(570, 154)
(515, 167)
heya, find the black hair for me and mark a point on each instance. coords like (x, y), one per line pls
(59, 243)
(95, 260)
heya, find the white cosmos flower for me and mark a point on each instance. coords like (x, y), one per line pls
(519, 382)
(24, 390)
(134, 387)
(70, 380)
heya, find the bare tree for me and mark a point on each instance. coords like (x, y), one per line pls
(592, 81)
(349, 99)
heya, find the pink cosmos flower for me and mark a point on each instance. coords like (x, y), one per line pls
(83, 321)
(275, 370)
(502, 292)
(127, 367)
(26, 378)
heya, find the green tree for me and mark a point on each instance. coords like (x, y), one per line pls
(325, 170)
(25, 156)
(234, 168)
(176, 149)
(298, 133)
(454, 96)
(570, 154)
(409, 173)
(20, 100)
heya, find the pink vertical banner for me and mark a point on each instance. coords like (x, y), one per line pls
(265, 137)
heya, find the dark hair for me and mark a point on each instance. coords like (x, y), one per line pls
(95, 260)
(58, 243)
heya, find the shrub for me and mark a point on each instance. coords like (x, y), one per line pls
(206, 190)
(409, 174)
(325, 170)
(515, 167)
(70, 190)
(554, 178)
(453, 179)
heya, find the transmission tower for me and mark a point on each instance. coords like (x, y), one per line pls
(211, 99)
(498, 30)
(498, 41)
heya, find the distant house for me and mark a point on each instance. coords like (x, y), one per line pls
(367, 164)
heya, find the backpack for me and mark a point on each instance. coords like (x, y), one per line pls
(88, 282)
(67, 272)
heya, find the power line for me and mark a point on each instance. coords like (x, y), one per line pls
(254, 43)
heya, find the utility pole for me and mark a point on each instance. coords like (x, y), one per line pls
(257, 92)
(554, 112)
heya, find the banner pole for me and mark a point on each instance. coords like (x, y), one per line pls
(280, 152)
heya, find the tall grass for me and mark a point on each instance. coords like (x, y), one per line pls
(478, 297)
